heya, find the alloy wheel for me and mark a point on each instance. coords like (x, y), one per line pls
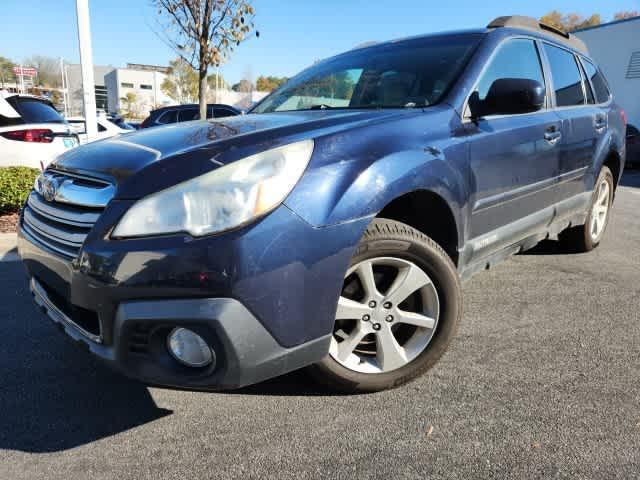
(600, 210)
(386, 316)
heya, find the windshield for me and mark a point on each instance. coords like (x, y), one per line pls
(411, 73)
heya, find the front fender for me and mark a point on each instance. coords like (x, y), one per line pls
(362, 185)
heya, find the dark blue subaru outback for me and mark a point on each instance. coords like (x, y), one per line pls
(329, 227)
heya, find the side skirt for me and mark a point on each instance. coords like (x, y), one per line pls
(484, 252)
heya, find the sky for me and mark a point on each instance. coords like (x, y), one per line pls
(293, 33)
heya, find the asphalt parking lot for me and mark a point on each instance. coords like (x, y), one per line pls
(542, 381)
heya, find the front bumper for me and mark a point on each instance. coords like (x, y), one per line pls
(264, 297)
(245, 352)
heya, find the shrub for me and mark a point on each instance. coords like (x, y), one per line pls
(15, 185)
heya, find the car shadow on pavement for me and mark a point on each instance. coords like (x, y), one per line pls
(53, 394)
(549, 247)
(10, 256)
(630, 178)
(297, 383)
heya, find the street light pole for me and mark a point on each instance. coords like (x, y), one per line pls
(64, 88)
(22, 80)
(86, 64)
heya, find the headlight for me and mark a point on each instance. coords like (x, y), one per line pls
(222, 199)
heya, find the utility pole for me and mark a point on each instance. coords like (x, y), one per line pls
(22, 81)
(64, 88)
(86, 64)
(66, 82)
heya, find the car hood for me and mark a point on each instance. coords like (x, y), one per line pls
(149, 160)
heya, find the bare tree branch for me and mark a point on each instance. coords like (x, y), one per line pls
(205, 32)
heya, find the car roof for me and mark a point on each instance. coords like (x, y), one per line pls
(373, 45)
(522, 24)
(193, 105)
(513, 24)
(6, 95)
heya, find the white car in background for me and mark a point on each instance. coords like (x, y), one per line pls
(106, 129)
(32, 132)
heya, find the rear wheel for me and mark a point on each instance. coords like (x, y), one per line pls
(585, 238)
(398, 311)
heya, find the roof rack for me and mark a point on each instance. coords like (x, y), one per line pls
(529, 23)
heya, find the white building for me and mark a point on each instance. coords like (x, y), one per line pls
(240, 100)
(73, 79)
(615, 47)
(143, 81)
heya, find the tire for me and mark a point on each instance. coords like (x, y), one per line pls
(388, 246)
(581, 238)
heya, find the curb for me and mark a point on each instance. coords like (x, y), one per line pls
(8, 247)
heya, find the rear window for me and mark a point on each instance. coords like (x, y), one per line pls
(598, 82)
(567, 81)
(35, 111)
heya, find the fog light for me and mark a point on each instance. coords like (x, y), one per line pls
(189, 348)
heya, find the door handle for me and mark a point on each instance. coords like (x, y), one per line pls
(552, 136)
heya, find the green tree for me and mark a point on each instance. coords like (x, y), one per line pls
(130, 102)
(181, 83)
(6, 71)
(205, 32)
(270, 83)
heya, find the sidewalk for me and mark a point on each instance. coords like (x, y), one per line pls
(8, 252)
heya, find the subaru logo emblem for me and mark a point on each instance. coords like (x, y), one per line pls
(47, 186)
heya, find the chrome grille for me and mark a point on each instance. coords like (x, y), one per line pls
(62, 217)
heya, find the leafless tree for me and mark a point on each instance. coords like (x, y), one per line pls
(205, 32)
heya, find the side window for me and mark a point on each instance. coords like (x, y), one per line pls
(516, 58)
(597, 80)
(189, 114)
(567, 80)
(591, 99)
(168, 117)
(222, 112)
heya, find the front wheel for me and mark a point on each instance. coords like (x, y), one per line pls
(398, 311)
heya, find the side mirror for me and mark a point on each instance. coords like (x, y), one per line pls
(508, 96)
